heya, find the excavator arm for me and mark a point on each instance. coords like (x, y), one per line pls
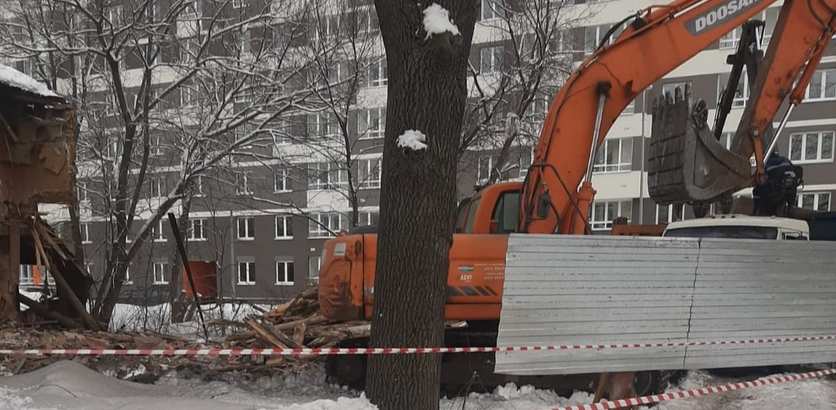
(558, 192)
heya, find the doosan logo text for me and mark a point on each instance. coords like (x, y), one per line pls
(720, 14)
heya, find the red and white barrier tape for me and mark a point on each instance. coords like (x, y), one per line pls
(326, 351)
(704, 391)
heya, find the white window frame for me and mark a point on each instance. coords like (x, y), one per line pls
(280, 180)
(368, 179)
(670, 88)
(286, 224)
(820, 135)
(619, 166)
(81, 192)
(493, 55)
(324, 124)
(600, 31)
(378, 75)
(335, 177)
(158, 232)
(722, 82)
(188, 95)
(193, 227)
(490, 10)
(242, 183)
(249, 228)
(249, 271)
(313, 272)
(199, 186)
(670, 218)
(826, 74)
(364, 130)
(85, 232)
(481, 179)
(159, 269)
(315, 230)
(158, 186)
(156, 145)
(283, 265)
(365, 218)
(26, 275)
(816, 196)
(731, 39)
(239, 4)
(604, 222)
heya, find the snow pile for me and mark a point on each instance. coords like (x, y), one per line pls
(412, 139)
(69, 385)
(437, 21)
(158, 317)
(511, 397)
(13, 78)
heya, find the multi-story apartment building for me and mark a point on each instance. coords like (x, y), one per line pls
(263, 220)
(619, 174)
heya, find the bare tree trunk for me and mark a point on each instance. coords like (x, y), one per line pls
(427, 91)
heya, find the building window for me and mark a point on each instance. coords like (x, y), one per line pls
(483, 168)
(81, 192)
(85, 232)
(284, 227)
(669, 89)
(371, 123)
(769, 16)
(156, 145)
(377, 73)
(592, 37)
(160, 273)
(670, 213)
(326, 175)
(158, 232)
(280, 137)
(741, 94)
(490, 59)
(246, 271)
(537, 108)
(367, 218)
(27, 277)
(604, 212)
(188, 95)
(284, 273)
(491, 9)
(246, 228)
(526, 159)
(198, 185)
(614, 155)
(817, 201)
(158, 188)
(368, 174)
(314, 264)
(242, 183)
(322, 125)
(812, 147)
(280, 180)
(320, 224)
(239, 4)
(822, 85)
(197, 229)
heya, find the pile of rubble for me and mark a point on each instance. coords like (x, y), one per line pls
(297, 323)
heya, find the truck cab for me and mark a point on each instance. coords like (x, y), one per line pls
(740, 227)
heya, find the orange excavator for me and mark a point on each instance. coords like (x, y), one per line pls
(557, 192)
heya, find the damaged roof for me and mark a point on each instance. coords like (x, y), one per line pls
(15, 79)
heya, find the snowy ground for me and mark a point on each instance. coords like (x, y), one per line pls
(69, 385)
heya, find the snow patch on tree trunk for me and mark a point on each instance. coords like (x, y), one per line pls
(412, 139)
(437, 21)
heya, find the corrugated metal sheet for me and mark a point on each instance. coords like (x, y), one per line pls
(598, 289)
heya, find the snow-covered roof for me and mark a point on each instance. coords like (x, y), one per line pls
(13, 78)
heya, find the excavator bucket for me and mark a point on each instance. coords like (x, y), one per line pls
(686, 163)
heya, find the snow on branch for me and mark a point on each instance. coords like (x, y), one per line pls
(437, 21)
(412, 139)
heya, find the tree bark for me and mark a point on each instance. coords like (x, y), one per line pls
(427, 92)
